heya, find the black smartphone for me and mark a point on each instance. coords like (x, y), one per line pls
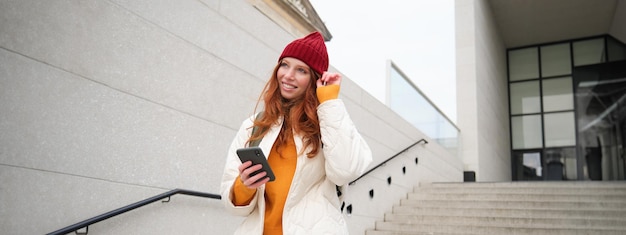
(255, 154)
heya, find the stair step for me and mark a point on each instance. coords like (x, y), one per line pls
(506, 212)
(513, 204)
(525, 190)
(593, 223)
(380, 232)
(529, 185)
(509, 208)
(489, 196)
(508, 229)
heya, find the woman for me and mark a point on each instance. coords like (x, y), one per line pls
(311, 145)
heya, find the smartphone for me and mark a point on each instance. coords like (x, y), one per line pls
(255, 154)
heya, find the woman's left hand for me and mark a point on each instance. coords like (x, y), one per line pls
(329, 78)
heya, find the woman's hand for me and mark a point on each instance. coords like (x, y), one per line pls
(329, 78)
(255, 181)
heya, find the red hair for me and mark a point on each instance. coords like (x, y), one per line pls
(300, 114)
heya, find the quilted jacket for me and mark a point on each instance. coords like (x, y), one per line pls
(312, 206)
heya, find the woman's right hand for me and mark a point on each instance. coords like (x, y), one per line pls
(255, 181)
(329, 78)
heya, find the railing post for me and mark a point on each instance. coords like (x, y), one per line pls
(392, 157)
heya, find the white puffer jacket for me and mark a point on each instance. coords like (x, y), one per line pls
(312, 206)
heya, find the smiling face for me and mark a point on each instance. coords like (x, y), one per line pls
(293, 77)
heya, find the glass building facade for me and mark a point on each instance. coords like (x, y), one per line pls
(567, 110)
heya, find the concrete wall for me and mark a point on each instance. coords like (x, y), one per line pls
(618, 26)
(466, 82)
(493, 109)
(105, 103)
(482, 96)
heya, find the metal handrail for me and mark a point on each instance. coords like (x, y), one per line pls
(85, 224)
(389, 159)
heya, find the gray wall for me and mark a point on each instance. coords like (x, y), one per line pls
(618, 26)
(105, 103)
(482, 96)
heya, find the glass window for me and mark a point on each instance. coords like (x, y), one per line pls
(592, 162)
(561, 163)
(526, 132)
(555, 60)
(571, 164)
(554, 164)
(532, 161)
(617, 50)
(589, 52)
(528, 165)
(557, 94)
(525, 97)
(560, 129)
(523, 64)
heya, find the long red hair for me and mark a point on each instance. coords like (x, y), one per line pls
(300, 114)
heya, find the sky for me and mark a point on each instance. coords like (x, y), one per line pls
(416, 35)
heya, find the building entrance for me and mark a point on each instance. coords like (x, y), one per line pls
(567, 103)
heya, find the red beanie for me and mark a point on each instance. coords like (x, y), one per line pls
(311, 50)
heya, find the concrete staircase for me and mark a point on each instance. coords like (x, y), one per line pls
(510, 208)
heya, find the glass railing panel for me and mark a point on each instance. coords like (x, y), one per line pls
(409, 102)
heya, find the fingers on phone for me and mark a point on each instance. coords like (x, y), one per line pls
(261, 181)
(247, 168)
(254, 176)
(244, 166)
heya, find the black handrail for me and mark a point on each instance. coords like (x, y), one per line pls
(86, 223)
(383, 163)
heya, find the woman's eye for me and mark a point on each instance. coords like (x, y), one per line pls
(283, 64)
(301, 70)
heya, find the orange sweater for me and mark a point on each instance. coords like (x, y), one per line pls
(282, 160)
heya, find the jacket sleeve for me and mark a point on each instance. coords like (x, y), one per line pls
(346, 153)
(231, 173)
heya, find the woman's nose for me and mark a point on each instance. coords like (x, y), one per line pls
(291, 73)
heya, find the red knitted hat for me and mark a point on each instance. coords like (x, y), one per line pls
(311, 50)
